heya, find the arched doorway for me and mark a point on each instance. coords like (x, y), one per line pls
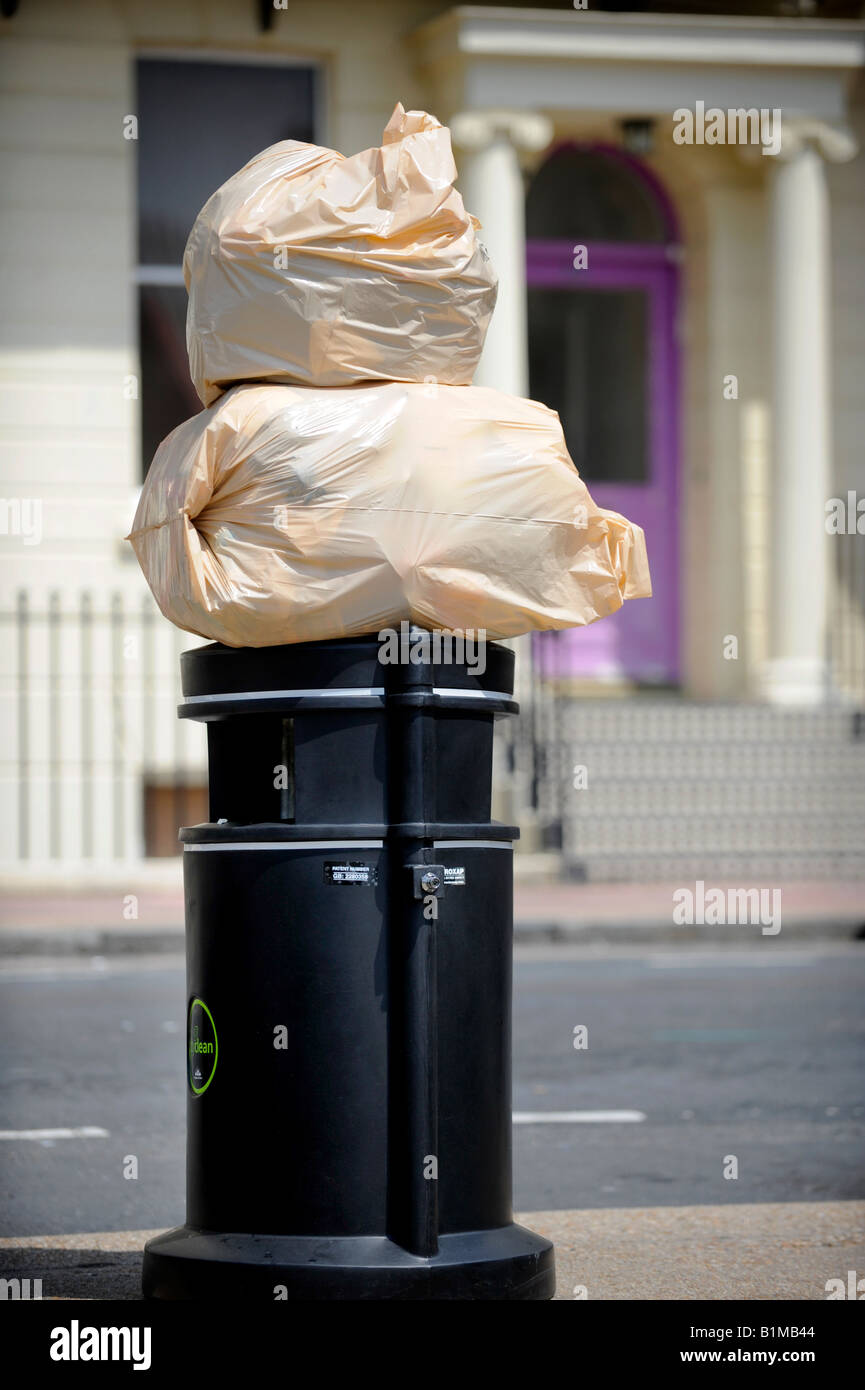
(602, 295)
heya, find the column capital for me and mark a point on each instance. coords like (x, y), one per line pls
(527, 131)
(836, 144)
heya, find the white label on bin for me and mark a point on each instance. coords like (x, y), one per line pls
(350, 873)
(455, 876)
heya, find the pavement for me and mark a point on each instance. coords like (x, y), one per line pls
(54, 916)
(760, 1252)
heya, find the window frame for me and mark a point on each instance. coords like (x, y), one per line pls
(167, 276)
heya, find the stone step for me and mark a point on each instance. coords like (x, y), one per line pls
(699, 789)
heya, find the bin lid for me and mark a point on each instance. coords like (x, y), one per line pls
(361, 672)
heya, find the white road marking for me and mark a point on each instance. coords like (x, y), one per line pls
(738, 960)
(85, 1132)
(577, 1117)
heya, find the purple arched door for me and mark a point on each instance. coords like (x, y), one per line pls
(602, 352)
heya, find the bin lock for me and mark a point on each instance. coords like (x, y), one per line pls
(428, 880)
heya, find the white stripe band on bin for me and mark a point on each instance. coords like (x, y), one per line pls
(471, 694)
(348, 692)
(577, 1117)
(472, 844)
(339, 693)
(288, 844)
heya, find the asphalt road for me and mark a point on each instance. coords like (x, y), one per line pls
(750, 1053)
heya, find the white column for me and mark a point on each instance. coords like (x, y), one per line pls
(488, 146)
(487, 149)
(796, 672)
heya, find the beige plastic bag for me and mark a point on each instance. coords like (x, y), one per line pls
(289, 514)
(311, 268)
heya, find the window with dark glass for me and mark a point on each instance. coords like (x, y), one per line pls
(589, 342)
(198, 123)
(587, 360)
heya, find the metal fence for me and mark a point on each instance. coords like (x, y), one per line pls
(91, 741)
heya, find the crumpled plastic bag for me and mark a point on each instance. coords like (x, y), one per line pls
(312, 268)
(343, 496)
(290, 514)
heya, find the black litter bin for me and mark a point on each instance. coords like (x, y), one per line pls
(349, 928)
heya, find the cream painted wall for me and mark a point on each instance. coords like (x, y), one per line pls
(68, 438)
(723, 330)
(681, 174)
(846, 184)
(739, 345)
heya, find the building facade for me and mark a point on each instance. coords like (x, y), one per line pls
(674, 204)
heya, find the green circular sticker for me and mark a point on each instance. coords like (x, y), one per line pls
(203, 1047)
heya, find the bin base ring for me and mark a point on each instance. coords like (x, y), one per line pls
(509, 1262)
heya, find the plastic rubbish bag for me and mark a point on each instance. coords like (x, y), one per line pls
(332, 493)
(290, 514)
(312, 268)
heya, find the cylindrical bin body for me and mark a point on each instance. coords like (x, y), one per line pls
(349, 929)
